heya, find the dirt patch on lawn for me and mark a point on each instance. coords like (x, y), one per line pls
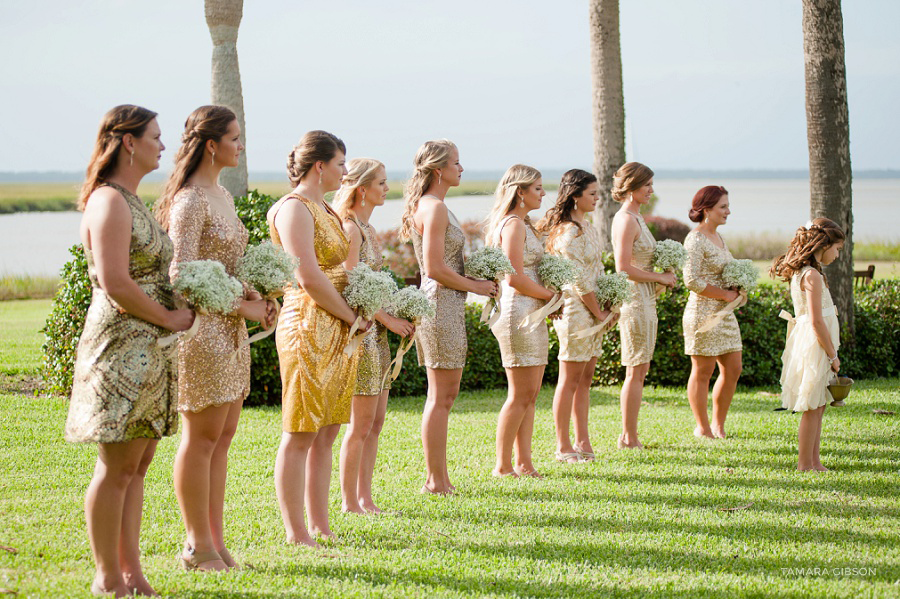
(21, 384)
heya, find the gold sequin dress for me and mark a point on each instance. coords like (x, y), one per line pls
(638, 321)
(704, 267)
(371, 378)
(317, 378)
(206, 374)
(519, 347)
(806, 369)
(441, 341)
(125, 387)
(582, 246)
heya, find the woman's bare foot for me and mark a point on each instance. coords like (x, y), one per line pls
(503, 473)
(700, 433)
(370, 507)
(528, 470)
(138, 585)
(628, 444)
(719, 432)
(226, 557)
(426, 490)
(117, 589)
(353, 509)
(820, 467)
(303, 540)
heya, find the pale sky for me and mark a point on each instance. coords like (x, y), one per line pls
(714, 84)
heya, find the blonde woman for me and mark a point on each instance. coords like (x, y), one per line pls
(524, 353)
(199, 216)
(633, 246)
(441, 342)
(124, 387)
(317, 377)
(363, 189)
(572, 236)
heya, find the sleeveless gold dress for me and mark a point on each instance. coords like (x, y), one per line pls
(441, 341)
(317, 378)
(125, 387)
(371, 378)
(519, 347)
(638, 322)
(206, 374)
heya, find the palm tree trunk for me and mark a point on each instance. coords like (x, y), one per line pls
(828, 137)
(608, 108)
(223, 17)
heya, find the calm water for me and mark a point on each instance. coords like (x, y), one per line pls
(37, 242)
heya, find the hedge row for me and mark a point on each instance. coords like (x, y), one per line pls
(875, 353)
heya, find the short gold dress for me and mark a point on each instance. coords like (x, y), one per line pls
(125, 387)
(519, 347)
(704, 267)
(317, 377)
(638, 321)
(441, 340)
(371, 378)
(582, 246)
(206, 374)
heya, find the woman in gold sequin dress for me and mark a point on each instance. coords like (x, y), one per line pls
(633, 246)
(441, 344)
(200, 218)
(317, 377)
(124, 387)
(362, 190)
(524, 353)
(570, 235)
(707, 257)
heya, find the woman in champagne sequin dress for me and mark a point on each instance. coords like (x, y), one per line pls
(125, 386)
(362, 190)
(441, 344)
(633, 246)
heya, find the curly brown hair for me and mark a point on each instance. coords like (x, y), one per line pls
(820, 235)
(572, 185)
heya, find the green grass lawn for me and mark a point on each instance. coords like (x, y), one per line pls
(633, 524)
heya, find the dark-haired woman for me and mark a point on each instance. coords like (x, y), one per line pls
(124, 385)
(199, 216)
(571, 236)
(707, 257)
(317, 377)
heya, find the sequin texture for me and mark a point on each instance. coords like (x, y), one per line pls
(638, 322)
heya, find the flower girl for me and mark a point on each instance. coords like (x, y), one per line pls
(810, 354)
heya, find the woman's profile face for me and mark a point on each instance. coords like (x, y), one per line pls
(377, 190)
(148, 147)
(333, 172)
(587, 201)
(451, 174)
(532, 195)
(228, 149)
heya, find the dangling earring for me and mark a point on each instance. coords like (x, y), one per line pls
(212, 161)
(707, 220)
(522, 203)
(439, 177)
(131, 160)
(320, 177)
(362, 202)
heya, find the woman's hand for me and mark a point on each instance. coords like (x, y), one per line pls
(605, 314)
(402, 327)
(668, 279)
(271, 314)
(364, 325)
(731, 295)
(484, 287)
(836, 364)
(255, 310)
(180, 320)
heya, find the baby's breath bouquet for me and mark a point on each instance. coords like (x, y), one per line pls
(613, 289)
(555, 272)
(740, 274)
(489, 263)
(669, 256)
(208, 289)
(411, 304)
(367, 292)
(737, 274)
(267, 268)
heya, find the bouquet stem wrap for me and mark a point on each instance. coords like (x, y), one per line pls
(355, 339)
(660, 288)
(600, 328)
(713, 319)
(258, 336)
(490, 314)
(533, 320)
(396, 364)
(181, 335)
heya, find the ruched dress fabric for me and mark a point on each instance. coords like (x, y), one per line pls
(207, 376)
(518, 347)
(806, 369)
(317, 377)
(441, 340)
(582, 246)
(638, 321)
(704, 266)
(371, 378)
(125, 386)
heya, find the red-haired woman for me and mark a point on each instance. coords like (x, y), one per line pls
(707, 257)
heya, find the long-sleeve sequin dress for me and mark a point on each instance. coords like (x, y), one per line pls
(519, 347)
(704, 267)
(371, 378)
(206, 374)
(582, 246)
(317, 377)
(441, 340)
(125, 386)
(638, 321)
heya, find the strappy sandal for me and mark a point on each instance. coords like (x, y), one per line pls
(586, 456)
(565, 457)
(197, 559)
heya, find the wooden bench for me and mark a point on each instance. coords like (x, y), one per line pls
(861, 278)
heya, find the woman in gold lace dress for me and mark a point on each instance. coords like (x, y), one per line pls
(124, 387)
(707, 257)
(524, 352)
(317, 377)
(633, 246)
(441, 344)
(571, 236)
(362, 190)
(200, 218)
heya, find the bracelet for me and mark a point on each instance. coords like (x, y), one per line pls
(833, 359)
